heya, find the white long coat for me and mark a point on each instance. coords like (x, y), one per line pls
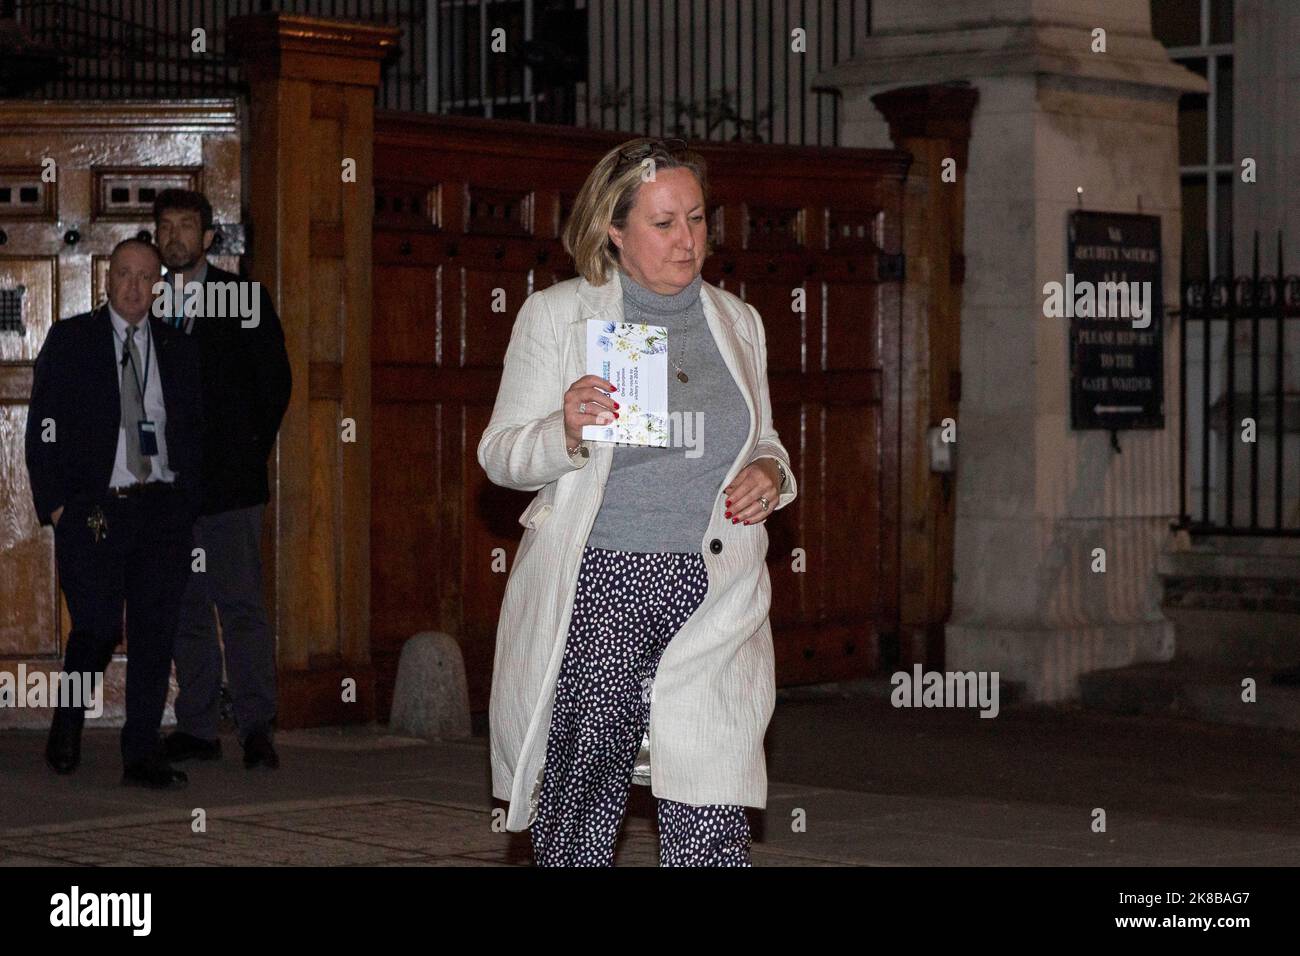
(714, 690)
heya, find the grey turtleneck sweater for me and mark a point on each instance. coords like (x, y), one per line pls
(659, 499)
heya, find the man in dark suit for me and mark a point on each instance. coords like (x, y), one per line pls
(114, 457)
(246, 385)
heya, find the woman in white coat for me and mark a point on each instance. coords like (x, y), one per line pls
(634, 638)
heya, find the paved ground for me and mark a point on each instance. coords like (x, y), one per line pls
(854, 782)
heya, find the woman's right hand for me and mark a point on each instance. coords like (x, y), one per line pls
(600, 407)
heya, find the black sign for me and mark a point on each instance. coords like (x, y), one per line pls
(1113, 298)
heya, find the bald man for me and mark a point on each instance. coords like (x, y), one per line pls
(113, 454)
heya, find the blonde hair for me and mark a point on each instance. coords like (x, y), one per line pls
(607, 197)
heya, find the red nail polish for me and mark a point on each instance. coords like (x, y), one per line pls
(613, 388)
(616, 405)
(728, 502)
(616, 414)
(734, 520)
(746, 522)
(727, 515)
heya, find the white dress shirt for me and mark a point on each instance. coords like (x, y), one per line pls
(200, 276)
(153, 402)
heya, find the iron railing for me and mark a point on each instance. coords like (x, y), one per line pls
(118, 49)
(699, 69)
(1240, 398)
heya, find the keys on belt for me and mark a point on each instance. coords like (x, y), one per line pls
(97, 521)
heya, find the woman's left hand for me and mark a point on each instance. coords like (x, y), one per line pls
(757, 479)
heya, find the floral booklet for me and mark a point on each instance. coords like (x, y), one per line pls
(634, 356)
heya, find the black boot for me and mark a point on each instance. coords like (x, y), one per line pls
(63, 750)
(260, 752)
(155, 773)
(84, 653)
(181, 746)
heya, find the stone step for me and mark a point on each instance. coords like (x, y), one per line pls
(1234, 600)
(1235, 638)
(1194, 691)
(1257, 588)
(1229, 564)
(1247, 544)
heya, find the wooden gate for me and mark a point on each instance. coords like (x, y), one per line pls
(466, 206)
(77, 178)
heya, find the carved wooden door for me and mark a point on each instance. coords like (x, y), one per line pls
(76, 179)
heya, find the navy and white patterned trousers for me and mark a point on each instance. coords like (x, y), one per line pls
(628, 606)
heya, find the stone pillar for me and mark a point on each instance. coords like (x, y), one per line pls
(312, 87)
(1035, 497)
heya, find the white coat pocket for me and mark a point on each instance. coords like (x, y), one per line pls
(536, 513)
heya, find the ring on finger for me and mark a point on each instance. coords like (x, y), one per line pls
(762, 500)
(582, 408)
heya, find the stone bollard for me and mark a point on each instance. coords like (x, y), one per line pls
(430, 698)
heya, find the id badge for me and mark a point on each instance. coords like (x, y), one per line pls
(148, 438)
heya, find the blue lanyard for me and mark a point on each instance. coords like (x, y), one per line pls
(126, 353)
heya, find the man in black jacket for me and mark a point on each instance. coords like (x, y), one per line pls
(246, 386)
(113, 447)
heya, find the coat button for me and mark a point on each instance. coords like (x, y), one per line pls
(715, 545)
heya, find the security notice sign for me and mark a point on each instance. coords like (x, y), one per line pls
(1112, 297)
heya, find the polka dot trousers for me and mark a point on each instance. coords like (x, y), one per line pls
(628, 606)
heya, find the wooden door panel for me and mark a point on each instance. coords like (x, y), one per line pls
(851, 328)
(29, 615)
(27, 195)
(29, 287)
(407, 538)
(29, 628)
(852, 513)
(482, 334)
(406, 315)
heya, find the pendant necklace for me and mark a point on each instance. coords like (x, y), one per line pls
(681, 353)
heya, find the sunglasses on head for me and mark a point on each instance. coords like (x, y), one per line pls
(668, 147)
